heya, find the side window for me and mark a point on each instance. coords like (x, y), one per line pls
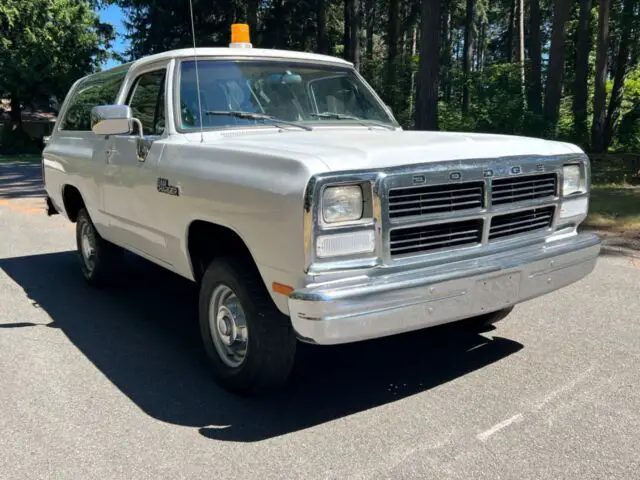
(147, 102)
(99, 89)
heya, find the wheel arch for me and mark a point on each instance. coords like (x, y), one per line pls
(207, 240)
(72, 201)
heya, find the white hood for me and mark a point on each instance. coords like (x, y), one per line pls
(359, 149)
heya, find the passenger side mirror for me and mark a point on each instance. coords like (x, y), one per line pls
(111, 120)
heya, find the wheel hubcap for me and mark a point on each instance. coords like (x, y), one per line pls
(228, 326)
(87, 247)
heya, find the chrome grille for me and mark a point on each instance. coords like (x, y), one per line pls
(519, 189)
(517, 223)
(435, 237)
(426, 200)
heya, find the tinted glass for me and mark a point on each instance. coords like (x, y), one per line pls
(147, 102)
(286, 90)
(100, 89)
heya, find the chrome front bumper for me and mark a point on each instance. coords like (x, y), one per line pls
(366, 307)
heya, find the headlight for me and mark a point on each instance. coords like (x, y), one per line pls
(571, 182)
(342, 204)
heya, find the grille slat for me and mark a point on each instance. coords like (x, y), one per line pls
(435, 237)
(429, 209)
(521, 222)
(518, 189)
(423, 200)
(430, 199)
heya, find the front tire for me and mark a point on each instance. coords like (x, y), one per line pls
(250, 344)
(99, 259)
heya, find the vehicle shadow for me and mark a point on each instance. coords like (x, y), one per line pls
(142, 335)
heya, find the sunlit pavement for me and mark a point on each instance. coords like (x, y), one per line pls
(113, 384)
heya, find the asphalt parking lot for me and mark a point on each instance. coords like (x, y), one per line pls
(113, 384)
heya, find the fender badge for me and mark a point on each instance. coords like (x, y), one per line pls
(163, 186)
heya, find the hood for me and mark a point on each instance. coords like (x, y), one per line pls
(360, 149)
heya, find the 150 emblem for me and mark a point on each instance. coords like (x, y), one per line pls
(164, 187)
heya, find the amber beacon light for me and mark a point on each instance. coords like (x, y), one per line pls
(240, 36)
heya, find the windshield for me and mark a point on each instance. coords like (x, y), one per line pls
(291, 91)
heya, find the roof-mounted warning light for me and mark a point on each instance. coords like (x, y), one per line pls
(240, 36)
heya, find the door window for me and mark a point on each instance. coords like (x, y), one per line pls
(97, 89)
(147, 102)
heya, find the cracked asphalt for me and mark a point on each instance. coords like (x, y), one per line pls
(113, 384)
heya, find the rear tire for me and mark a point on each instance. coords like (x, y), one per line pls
(250, 344)
(99, 259)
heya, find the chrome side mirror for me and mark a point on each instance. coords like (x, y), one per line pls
(111, 120)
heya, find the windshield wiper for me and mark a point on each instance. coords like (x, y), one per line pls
(256, 116)
(342, 116)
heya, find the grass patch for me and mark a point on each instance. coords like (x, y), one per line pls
(615, 170)
(615, 194)
(31, 158)
(615, 208)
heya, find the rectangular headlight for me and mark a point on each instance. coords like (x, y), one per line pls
(572, 180)
(342, 244)
(342, 204)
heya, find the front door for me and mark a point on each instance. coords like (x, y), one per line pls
(131, 171)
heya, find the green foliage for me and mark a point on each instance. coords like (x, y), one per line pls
(48, 44)
(45, 46)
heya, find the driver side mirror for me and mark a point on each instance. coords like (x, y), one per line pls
(111, 120)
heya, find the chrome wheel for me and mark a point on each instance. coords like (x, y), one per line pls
(228, 326)
(87, 247)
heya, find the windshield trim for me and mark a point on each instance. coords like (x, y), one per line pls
(177, 121)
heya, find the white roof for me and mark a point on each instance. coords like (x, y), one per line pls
(240, 52)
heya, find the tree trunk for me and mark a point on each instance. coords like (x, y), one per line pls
(581, 87)
(321, 14)
(393, 32)
(521, 45)
(509, 46)
(414, 45)
(468, 56)
(553, 93)
(371, 15)
(446, 51)
(346, 37)
(535, 53)
(427, 91)
(600, 94)
(622, 64)
(354, 35)
(16, 111)
(252, 15)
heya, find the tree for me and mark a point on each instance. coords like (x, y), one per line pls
(581, 85)
(621, 70)
(600, 94)
(355, 14)
(535, 53)
(45, 46)
(468, 55)
(553, 93)
(426, 117)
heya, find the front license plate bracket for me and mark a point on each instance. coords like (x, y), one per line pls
(498, 292)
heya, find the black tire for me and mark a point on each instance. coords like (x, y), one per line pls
(107, 257)
(269, 356)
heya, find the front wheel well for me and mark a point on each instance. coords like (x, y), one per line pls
(73, 201)
(206, 240)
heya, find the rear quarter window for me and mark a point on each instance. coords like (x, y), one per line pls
(98, 89)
